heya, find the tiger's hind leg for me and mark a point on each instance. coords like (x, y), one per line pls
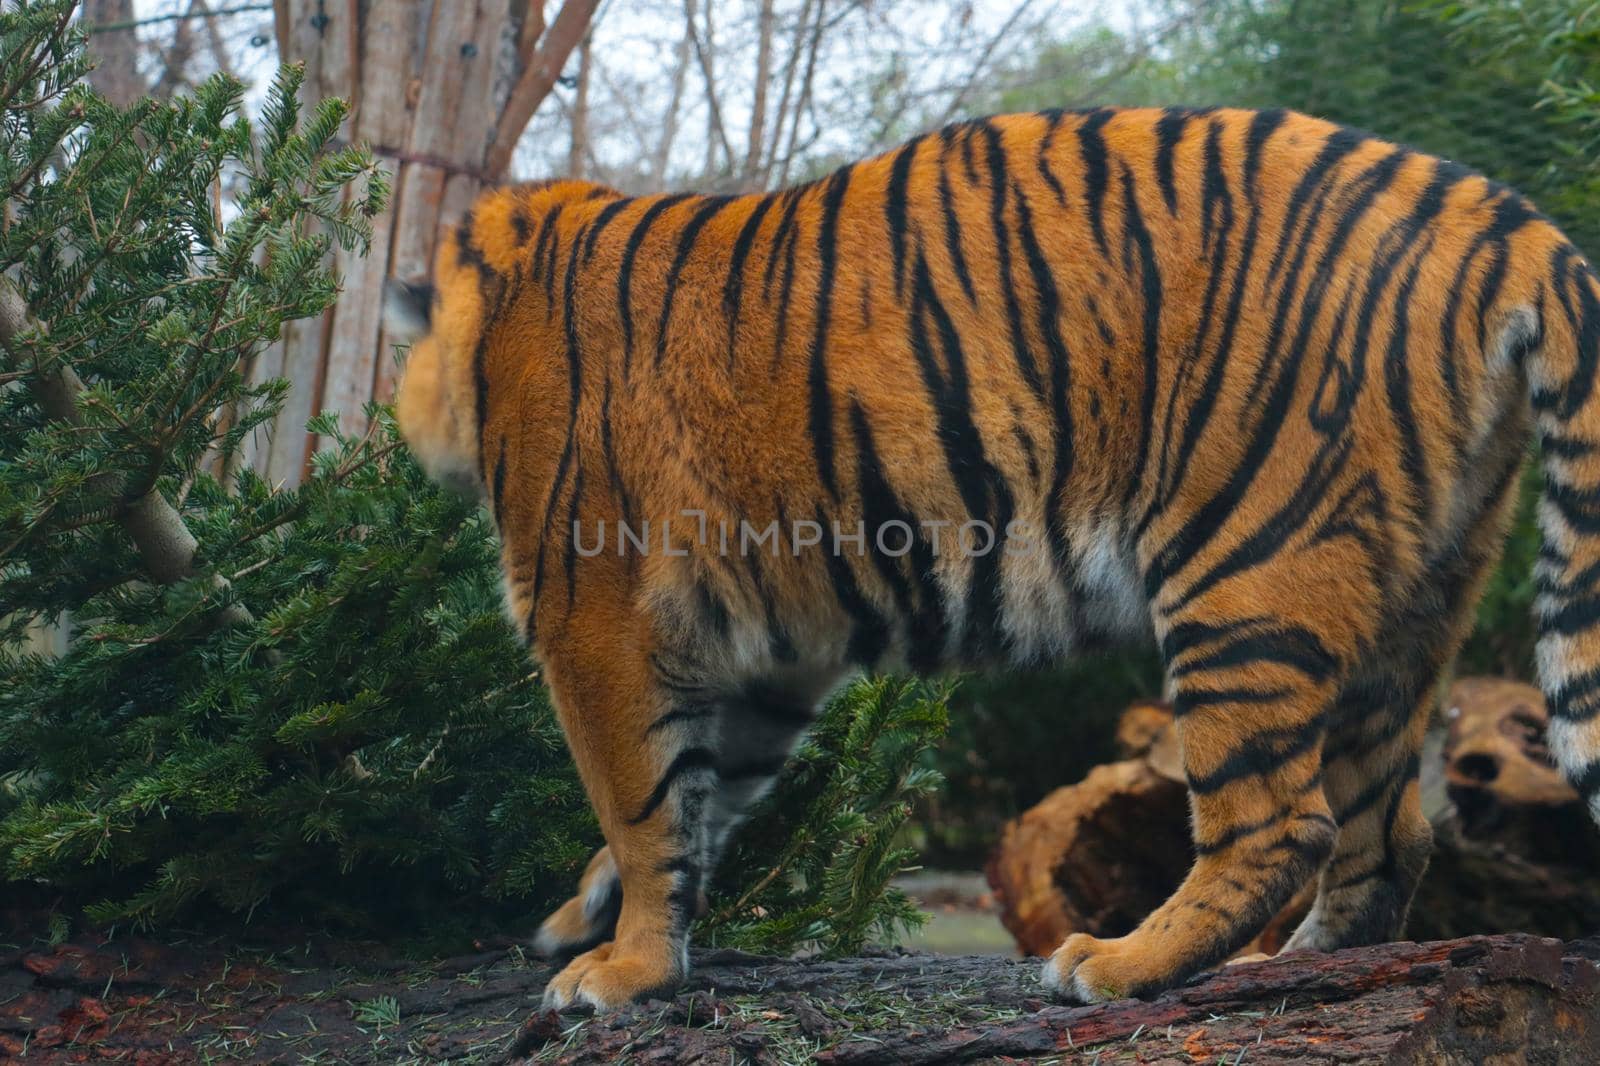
(1384, 840)
(758, 730)
(1372, 755)
(1254, 661)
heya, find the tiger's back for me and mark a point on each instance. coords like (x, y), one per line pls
(1246, 381)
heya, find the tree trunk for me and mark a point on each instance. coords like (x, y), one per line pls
(578, 147)
(114, 52)
(750, 172)
(442, 90)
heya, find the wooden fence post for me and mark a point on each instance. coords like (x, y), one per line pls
(441, 90)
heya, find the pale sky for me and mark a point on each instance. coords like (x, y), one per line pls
(931, 43)
(638, 39)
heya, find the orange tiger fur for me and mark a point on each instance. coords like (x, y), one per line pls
(1248, 383)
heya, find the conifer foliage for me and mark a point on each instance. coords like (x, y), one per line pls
(304, 701)
(814, 863)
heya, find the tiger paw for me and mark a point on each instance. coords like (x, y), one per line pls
(1087, 970)
(589, 918)
(608, 978)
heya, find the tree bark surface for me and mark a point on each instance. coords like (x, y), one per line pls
(1480, 999)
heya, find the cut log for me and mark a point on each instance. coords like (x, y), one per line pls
(1095, 857)
(1502, 781)
(1141, 726)
(1486, 887)
(1520, 856)
(1482, 999)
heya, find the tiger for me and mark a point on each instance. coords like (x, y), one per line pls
(1251, 386)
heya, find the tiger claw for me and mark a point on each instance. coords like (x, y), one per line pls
(1087, 970)
(606, 979)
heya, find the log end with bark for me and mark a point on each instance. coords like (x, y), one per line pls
(1096, 857)
(1514, 847)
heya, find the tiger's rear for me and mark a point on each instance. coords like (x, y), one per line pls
(1248, 383)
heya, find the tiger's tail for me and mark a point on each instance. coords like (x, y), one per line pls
(1561, 369)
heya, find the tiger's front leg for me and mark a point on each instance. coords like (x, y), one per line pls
(756, 731)
(650, 787)
(1251, 687)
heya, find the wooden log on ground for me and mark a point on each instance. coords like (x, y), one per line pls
(1095, 857)
(1481, 999)
(1501, 779)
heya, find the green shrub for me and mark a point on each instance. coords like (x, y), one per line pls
(295, 705)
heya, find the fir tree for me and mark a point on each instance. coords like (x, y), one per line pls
(304, 701)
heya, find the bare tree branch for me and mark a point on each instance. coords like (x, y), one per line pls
(219, 51)
(537, 79)
(716, 133)
(640, 129)
(174, 73)
(532, 28)
(669, 125)
(165, 545)
(578, 116)
(982, 62)
(805, 91)
(790, 68)
(749, 173)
